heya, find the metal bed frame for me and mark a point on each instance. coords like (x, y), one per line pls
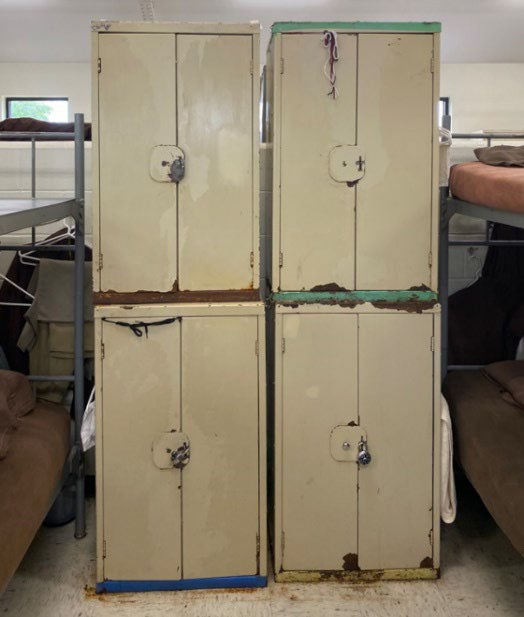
(448, 208)
(18, 214)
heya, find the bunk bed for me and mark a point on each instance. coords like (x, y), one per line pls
(21, 214)
(488, 421)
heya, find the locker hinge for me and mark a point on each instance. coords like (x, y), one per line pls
(104, 549)
(252, 259)
(283, 345)
(251, 67)
(430, 537)
(432, 344)
(256, 348)
(258, 552)
(281, 66)
(430, 259)
(99, 65)
(102, 351)
(100, 261)
(281, 259)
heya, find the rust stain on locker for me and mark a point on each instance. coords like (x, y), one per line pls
(350, 562)
(160, 297)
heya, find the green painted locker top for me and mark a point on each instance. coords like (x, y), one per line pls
(383, 26)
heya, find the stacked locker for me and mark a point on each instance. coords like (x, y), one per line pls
(355, 415)
(180, 355)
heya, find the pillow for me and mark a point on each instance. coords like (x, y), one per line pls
(509, 376)
(18, 393)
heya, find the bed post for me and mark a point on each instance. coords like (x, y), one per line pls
(80, 524)
(443, 273)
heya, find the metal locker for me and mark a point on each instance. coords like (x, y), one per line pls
(175, 131)
(181, 480)
(355, 182)
(356, 432)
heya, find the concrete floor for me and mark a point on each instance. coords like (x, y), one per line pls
(482, 575)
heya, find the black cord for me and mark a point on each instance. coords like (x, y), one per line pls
(137, 326)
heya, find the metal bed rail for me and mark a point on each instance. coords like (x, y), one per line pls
(30, 218)
(448, 208)
(489, 136)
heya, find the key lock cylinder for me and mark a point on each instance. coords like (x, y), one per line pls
(349, 444)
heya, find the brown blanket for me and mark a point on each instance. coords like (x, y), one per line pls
(488, 434)
(503, 156)
(486, 185)
(509, 376)
(40, 126)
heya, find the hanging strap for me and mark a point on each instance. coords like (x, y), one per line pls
(137, 326)
(330, 42)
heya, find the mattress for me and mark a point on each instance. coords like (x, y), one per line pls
(29, 476)
(488, 434)
(487, 185)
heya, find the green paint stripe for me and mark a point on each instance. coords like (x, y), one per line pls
(312, 297)
(391, 26)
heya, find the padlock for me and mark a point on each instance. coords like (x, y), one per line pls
(364, 457)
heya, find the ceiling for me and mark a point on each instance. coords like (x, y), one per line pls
(58, 30)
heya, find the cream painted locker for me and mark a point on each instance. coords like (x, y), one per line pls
(181, 448)
(355, 176)
(175, 130)
(356, 434)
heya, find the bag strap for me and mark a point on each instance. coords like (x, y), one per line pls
(137, 326)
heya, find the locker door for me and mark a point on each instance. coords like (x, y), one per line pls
(220, 416)
(319, 393)
(396, 409)
(317, 218)
(215, 130)
(140, 401)
(137, 111)
(395, 129)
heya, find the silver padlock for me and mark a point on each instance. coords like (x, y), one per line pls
(178, 169)
(180, 456)
(364, 457)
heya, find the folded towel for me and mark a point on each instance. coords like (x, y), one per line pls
(448, 494)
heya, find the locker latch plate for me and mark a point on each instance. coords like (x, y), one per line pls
(344, 442)
(171, 450)
(347, 164)
(167, 164)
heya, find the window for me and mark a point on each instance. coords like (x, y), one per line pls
(49, 109)
(444, 111)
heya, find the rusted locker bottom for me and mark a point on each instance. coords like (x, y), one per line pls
(357, 576)
(175, 297)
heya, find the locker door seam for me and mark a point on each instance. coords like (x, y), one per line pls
(99, 274)
(181, 474)
(257, 563)
(280, 76)
(177, 191)
(355, 205)
(101, 436)
(253, 196)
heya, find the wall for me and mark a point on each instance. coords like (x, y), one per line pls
(69, 79)
(484, 96)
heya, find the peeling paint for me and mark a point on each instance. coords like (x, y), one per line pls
(175, 296)
(350, 562)
(356, 576)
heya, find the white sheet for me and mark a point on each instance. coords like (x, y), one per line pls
(448, 494)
